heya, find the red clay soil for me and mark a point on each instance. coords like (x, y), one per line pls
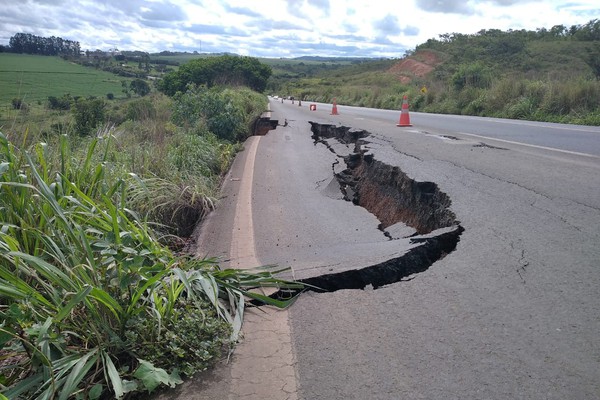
(419, 65)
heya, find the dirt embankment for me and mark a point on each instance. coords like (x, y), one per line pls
(417, 65)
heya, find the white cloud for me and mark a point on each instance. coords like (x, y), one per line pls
(280, 28)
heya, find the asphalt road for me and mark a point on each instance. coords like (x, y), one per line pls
(574, 138)
(512, 313)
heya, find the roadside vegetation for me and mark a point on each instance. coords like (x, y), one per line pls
(104, 173)
(98, 197)
(543, 75)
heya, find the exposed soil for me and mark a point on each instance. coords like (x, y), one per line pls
(417, 65)
(393, 197)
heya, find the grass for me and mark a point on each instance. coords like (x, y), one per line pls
(93, 303)
(87, 290)
(34, 78)
(493, 74)
(95, 299)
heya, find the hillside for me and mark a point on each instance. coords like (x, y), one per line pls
(34, 78)
(546, 75)
(418, 65)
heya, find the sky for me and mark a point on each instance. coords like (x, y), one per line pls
(280, 28)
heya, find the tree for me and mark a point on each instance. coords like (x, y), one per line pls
(88, 114)
(17, 103)
(52, 46)
(223, 70)
(62, 103)
(139, 87)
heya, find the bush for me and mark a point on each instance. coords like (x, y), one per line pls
(87, 288)
(524, 108)
(88, 115)
(17, 103)
(228, 113)
(141, 109)
(475, 75)
(139, 87)
(190, 340)
(222, 70)
(63, 103)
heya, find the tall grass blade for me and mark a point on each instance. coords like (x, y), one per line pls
(112, 375)
(78, 373)
(78, 298)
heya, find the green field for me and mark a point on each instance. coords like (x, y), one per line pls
(34, 78)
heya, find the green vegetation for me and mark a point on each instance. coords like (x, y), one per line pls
(223, 70)
(46, 46)
(544, 75)
(98, 189)
(96, 298)
(34, 78)
(228, 113)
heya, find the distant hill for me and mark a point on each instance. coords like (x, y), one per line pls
(335, 59)
(559, 50)
(548, 75)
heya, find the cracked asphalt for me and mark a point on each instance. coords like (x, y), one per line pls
(512, 313)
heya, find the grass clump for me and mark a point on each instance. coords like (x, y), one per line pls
(96, 299)
(87, 291)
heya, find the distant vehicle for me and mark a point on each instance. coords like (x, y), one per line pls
(275, 97)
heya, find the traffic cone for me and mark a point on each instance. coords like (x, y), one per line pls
(404, 117)
(334, 108)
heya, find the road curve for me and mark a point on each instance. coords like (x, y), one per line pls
(571, 138)
(512, 312)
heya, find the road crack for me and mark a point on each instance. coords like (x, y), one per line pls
(394, 198)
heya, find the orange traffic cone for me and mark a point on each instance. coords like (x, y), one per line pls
(334, 110)
(404, 117)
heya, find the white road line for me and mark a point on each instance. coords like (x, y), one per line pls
(242, 250)
(263, 363)
(535, 124)
(530, 145)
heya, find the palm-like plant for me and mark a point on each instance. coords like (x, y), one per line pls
(77, 266)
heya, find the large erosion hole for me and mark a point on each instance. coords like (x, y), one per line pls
(393, 197)
(384, 190)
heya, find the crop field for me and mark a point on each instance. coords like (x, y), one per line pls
(34, 78)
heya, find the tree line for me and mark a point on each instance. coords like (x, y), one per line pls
(46, 46)
(514, 49)
(511, 41)
(217, 71)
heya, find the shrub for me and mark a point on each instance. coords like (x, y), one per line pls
(88, 115)
(141, 109)
(524, 108)
(139, 87)
(87, 289)
(475, 75)
(17, 103)
(228, 113)
(62, 103)
(212, 71)
(190, 340)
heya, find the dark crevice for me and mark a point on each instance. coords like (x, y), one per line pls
(262, 125)
(389, 194)
(399, 269)
(416, 260)
(488, 146)
(385, 190)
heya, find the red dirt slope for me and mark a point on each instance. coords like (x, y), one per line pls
(417, 65)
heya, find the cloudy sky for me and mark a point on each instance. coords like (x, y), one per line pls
(280, 28)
